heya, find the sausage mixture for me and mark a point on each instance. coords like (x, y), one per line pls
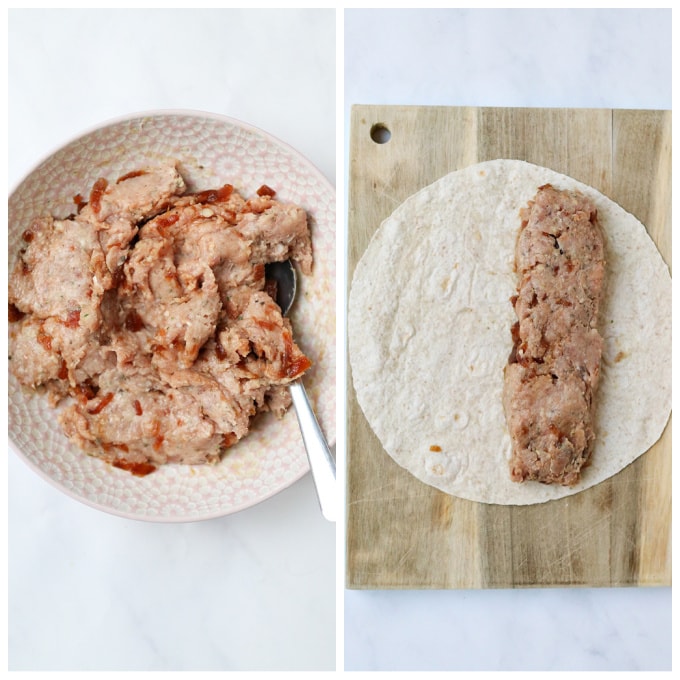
(554, 367)
(148, 317)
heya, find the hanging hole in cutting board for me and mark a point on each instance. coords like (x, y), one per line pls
(380, 133)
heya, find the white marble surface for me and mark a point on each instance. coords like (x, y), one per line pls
(90, 591)
(508, 58)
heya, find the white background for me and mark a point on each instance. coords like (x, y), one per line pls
(90, 591)
(568, 58)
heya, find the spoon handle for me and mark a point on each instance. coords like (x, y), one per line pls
(321, 460)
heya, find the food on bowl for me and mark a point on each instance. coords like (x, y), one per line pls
(554, 367)
(429, 334)
(146, 315)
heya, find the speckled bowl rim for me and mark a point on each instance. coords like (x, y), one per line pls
(74, 138)
(199, 113)
(174, 519)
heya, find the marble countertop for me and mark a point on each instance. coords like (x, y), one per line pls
(539, 58)
(93, 591)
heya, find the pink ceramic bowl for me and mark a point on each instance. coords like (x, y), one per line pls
(212, 150)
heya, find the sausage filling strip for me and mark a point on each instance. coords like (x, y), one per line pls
(554, 367)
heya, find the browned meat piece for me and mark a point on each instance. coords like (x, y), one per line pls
(115, 210)
(33, 360)
(148, 308)
(277, 231)
(171, 309)
(554, 368)
(136, 195)
(37, 287)
(129, 418)
(58, 281)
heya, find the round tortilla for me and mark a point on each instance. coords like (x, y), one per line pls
(429, 321)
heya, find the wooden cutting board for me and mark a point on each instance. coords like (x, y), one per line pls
(402, 533)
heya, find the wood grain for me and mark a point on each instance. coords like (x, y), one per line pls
(402, 533)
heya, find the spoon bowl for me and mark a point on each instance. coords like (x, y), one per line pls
(284, 276)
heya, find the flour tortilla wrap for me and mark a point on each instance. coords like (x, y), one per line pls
(429, 321)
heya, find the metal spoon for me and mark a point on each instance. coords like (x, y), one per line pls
(321, 459)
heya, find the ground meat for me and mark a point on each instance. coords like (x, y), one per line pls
(146, 315)
(552, 375)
